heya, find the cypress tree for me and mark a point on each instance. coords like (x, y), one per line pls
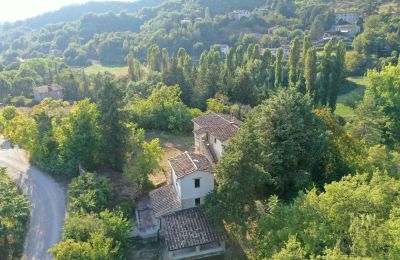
(239, 56)
(278, 68)
(310, 70)
(294, 59)
(306, 45)
(154, 58)
(326, 73)
(131, 67)
(337, 72)
(165, 61)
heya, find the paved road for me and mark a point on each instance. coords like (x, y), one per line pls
(47, 199)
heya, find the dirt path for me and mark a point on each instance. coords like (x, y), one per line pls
(47, 200)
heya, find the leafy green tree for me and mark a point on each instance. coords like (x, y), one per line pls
(163, 110)
(22, 130)
(72, 85)
(350, 219)
(292, 251)
(145, 163)
(90, 236)
(369, 123)
(14, 214)
(88, 193)
(78, 137)
(382, 91)
(276, 151)
(9, 113)
(5, 87)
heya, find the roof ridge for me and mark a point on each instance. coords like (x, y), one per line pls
(222, 117)
(190, 158)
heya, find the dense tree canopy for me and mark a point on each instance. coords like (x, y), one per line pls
(355, 217)
(14, 214)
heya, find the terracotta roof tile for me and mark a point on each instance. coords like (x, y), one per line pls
(187, 163)
(188, 228)
(222, 126)
(47, 88)
(164, 200)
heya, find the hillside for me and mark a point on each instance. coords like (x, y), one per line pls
(74, 12)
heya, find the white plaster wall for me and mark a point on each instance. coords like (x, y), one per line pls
(188, 191)
(175, 182)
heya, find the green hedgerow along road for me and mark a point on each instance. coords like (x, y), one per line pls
(47, 201)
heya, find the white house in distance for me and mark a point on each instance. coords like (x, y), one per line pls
(185, 21)
(172, 211)
(223, 48)
(239, 14)
(348, 17)
(349, 30)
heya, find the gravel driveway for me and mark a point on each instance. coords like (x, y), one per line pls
(47, 200)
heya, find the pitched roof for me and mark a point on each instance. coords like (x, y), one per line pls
(187, 163)
(47, 88)
(188, 228)
(222, 126)
(164, 200)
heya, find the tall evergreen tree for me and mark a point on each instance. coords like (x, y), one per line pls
(338, 73)
(112, 123)
(131, 67)
(301, 83)
(310, 70)
(239, 55)
(165, 61)
(278, 68)
(326, 67)
(306, 45)
(154, 58)
(294, 59)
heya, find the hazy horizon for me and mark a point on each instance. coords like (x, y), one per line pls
(22, 9)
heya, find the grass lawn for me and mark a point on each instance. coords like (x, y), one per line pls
(173, 145)
(344, 111)
(350, 96)
(117, 71)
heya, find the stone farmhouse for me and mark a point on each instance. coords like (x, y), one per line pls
(172, 213)
(347, 30)
(53, 91)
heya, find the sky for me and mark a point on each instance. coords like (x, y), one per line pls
(13, 10)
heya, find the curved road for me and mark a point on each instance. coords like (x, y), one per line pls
(47, 200)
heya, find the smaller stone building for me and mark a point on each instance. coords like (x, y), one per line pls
(188, 234)
(53, 91)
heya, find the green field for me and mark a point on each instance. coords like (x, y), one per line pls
(117, 71)
(350, 96)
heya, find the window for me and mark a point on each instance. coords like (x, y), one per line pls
(197, 202)
(197, 183)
